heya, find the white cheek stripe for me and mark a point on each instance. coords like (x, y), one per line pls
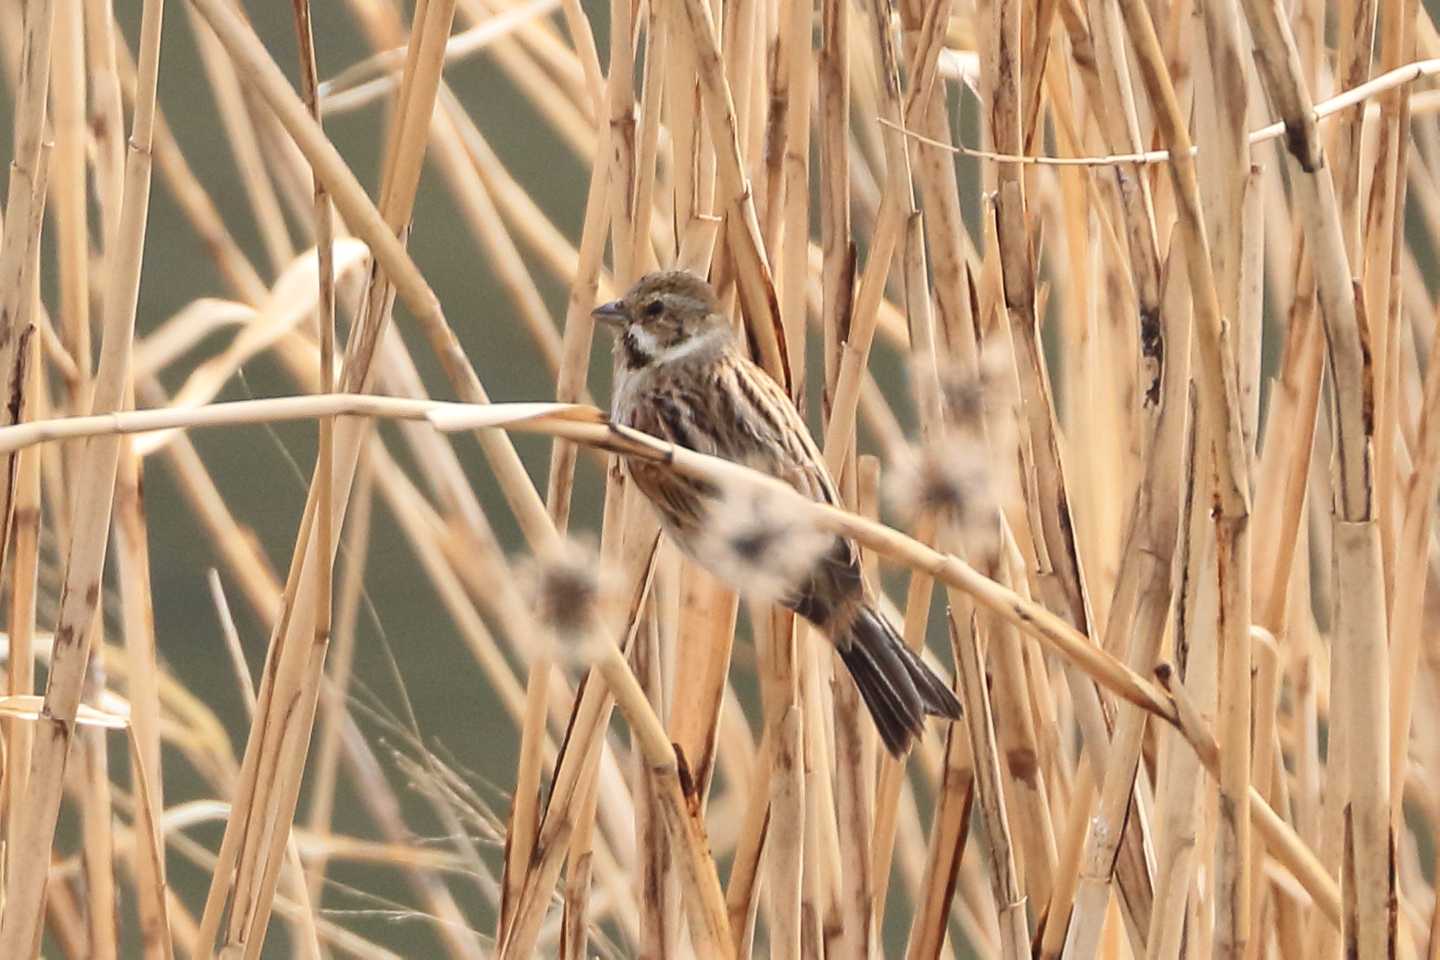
(689, 347)
(644, 340)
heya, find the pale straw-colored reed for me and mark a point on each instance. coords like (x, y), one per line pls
(1161, 279)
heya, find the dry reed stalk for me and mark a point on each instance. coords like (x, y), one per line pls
(20, 665)
(742, 891)
(1219, 395)
(1141, 606)
(659, 929)
(295, 665)
(694, 25)
(570, 379)
(1004, 879)
(1224, 197)
(1361, 690)
(704, 641)
(304, 933)
(243, 137)
(622, 222)
(132, 542)
(20, 240)
(1411, 568)
(918, 595)
(949, 831)
(1399, 43)
(325, 328)
(67, 186)
(90, 786)
(1265, 656)
(679, 809)
(854, 760)
(1059, 570)
(106, 120)
(837, 267)
(782, 831)
(854, 348)
(190, 195)
(333, 709)
(20, 927)
(633, 547)
(643, 239)
(820, 918)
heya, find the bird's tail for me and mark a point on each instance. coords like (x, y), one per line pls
(896, 685)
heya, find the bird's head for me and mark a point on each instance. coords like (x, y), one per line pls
(665, 317)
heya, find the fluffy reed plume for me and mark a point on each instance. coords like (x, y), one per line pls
(568, 589)
(757, 545)
(1163, 279)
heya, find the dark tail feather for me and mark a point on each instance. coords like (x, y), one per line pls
(895, 684)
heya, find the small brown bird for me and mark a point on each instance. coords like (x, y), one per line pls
(681, 377)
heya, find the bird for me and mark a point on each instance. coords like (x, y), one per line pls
(681, 376)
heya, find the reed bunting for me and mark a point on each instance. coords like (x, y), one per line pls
(681, 377)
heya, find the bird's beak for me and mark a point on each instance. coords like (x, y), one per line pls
(611, 314)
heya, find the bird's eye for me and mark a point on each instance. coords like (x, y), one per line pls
(654, 308)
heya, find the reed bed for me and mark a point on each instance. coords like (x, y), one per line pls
(1115, 321)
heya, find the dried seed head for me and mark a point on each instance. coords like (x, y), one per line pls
(950, 479)
(967, 392)
(568, 589)
(753, 538)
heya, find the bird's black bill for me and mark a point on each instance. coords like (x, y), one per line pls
(611, 314)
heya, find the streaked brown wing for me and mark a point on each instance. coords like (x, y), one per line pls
(779, 440)
(775, 438)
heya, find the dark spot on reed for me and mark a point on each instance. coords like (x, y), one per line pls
(687, 781)
(1299, 147)
(1022, 763)
(1152, 349)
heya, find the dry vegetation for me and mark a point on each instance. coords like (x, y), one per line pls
(1172, 468)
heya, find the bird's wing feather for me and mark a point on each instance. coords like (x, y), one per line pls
(774, 437)
(778, 442)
